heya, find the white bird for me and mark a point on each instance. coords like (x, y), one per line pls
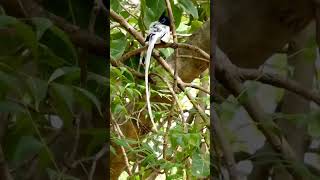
(158, 31)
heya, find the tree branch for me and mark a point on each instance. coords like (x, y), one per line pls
(279, 81)
(226, 73)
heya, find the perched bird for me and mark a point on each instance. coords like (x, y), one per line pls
(159, 31)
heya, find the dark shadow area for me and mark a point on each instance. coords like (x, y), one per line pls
(54, 90)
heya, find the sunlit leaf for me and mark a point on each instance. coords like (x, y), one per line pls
(117, 47)
(189, 7)
(200, 165)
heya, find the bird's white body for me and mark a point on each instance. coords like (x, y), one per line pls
(157, 32)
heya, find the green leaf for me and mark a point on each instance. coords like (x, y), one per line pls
(61, 72)
(194, 139)
(123, 142)
(91, 97)
(6, 21)
(177, 139)
(189, 7)
(45, 157)
(29, 37)
(14, 61)
(115, 5)
(177, 14)
(42, 25)
(10, 107)
(38, 89)
(117, 47)
(115, 73)
(54, 175)
(143, 8)
(98, 138)
(102, 80)
(153, 10)
(127, 74)
(200, 165)
(26, 146)
(22, 31)
(112, 150)
(10, 81)
(63, 98)
(118, 108)
(157, 7)
(22, 126)
(314, 124)
(227, 110)
(65, 38)
(50, 59)
(195, 25)
(2, 11)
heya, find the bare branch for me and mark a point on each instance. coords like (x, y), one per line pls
(226, 73)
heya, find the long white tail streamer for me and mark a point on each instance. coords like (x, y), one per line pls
(158, 30)
(152, 40)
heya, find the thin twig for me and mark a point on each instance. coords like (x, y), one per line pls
(98, 156)
(174, 95)
(171, 45)
(225, 146)
(175, 40)
(196, 87)
(193, 57)
(76, 140)
(93, 16)
(123, 151)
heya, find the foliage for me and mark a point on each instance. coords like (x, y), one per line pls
(303, 116)
(185, 145)
(43, 94)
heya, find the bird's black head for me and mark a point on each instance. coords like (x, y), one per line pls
(164, 19)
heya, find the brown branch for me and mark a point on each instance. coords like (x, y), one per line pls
(317, 18)
(193, 57)
(166, 133)
(225, 146)
(167, 45)
(93, 16)
(216, 131)
(175, 40)
(279, 81)
(4, 168)
(174, 95)
(196, 87)
(5, 173)
(127, 26)
(134, 72)
(226, 73)
(123, 151)
(97, 156)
